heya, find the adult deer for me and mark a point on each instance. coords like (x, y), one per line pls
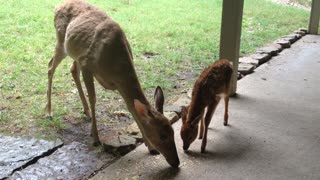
(213, 83)
(100, 50)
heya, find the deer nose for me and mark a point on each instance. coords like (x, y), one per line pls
(174, 163)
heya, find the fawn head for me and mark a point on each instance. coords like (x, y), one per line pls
(189, 129)
(157, 128)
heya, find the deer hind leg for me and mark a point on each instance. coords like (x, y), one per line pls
(89, 83)
(58, 56)
(210, 110)
(226, 106)
(75, 71)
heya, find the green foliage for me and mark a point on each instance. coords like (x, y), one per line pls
(183, 35)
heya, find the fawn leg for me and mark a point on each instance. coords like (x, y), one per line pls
(58, 56)
(226, 105)
(210, 110)
(75, 71)
(201, 128)
(89, 83)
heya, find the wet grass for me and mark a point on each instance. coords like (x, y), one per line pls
(182, 36)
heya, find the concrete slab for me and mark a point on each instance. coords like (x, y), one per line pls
(273, 132)
(16, 153)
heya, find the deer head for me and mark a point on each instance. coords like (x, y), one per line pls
(157, 128)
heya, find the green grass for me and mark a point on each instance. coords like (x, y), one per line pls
(184, 34)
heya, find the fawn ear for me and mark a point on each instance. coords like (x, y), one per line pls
(141, 109)
(196, 120)
(184, 113)
(159, 99)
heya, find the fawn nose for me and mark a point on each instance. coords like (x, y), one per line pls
(186, 147)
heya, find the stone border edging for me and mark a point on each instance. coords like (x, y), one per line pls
(248, 64)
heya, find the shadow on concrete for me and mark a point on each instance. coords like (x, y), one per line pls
(227, 146)
(167, 173)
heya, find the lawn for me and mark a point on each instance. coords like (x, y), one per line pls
(172, 41)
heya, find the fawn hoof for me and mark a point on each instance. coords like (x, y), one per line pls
(225, 123)
(154, 152)
(203, 150)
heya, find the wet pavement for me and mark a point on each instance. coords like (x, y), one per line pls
(17, 153)
(22, 158)
(73, 161)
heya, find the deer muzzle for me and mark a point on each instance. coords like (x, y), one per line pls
(172, 157)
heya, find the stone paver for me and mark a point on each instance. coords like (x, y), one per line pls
(261, 57)
(121, 144)
(284, 43)
(272, 49)
(246, 68)
(16, 153)
(249, 60)
(73, 161)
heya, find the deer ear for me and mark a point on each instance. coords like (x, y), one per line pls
(159, 99)
(141, 109)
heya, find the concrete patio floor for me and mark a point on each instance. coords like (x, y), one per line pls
(274, 130)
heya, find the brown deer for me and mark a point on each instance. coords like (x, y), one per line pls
(100, 50)
(210, 87)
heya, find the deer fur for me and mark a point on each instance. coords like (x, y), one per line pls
(210, 87)
(100, 51)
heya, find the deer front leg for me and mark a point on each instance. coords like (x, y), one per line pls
(226, 105)
(75, 71)
(89, 83)
(59, 55)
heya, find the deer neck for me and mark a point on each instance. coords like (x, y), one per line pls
(131, 91)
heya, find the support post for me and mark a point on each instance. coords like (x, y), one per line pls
(230, 36)
(314, 17)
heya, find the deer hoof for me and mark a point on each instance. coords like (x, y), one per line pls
(49, 117)
(225, 123)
